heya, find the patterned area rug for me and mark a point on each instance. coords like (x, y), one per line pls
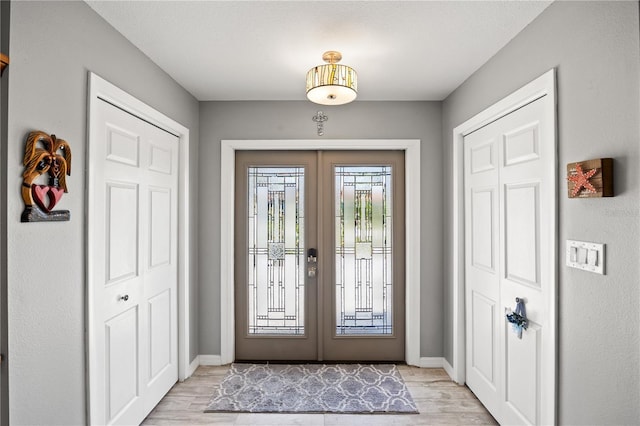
(312, 388)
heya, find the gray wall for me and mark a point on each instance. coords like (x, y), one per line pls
(292, 120)
(4, 104)
(53, 45)
(595, 47)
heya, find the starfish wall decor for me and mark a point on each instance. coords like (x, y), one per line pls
(589, 179)
(581, 180)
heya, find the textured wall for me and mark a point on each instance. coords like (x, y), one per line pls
(595, 47)
(291, 120)
(53, 45)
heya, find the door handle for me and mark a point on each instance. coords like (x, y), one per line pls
(312, 262)
(125, 297)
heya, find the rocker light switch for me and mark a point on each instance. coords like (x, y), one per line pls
(582, 255)
(585, 256)
(573, 254)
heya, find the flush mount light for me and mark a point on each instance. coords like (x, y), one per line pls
(332, 84)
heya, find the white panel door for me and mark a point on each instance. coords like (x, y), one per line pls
(509, 191)
(134, 278)
(482, 267)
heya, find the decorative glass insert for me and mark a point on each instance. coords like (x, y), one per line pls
(364, 274)
(276, 258)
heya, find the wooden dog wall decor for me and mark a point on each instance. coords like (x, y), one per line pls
(47, 163)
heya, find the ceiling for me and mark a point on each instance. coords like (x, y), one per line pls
(262, 50)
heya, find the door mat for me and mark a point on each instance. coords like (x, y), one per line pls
(313, 388)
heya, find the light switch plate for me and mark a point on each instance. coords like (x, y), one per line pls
(585, 256)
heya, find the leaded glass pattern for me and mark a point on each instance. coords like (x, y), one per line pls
(363, 252)
(276, 250)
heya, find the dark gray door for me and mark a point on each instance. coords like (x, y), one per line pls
(319, 250)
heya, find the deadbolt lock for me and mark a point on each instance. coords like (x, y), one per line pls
(312, 262)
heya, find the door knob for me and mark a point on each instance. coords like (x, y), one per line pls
(125, 297)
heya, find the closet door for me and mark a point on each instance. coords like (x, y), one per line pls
(509, 194)
(482, 266)
(133, 280)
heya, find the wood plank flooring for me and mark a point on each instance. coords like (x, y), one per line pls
(439, 400)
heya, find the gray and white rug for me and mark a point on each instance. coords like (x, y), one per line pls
(312, 388)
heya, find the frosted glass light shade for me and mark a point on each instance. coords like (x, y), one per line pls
(332, 84)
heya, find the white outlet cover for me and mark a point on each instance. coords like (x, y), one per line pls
(586, 256)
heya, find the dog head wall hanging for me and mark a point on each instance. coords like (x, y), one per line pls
(47, 163)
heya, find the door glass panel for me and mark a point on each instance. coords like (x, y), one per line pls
(363, 252)
(276, 250)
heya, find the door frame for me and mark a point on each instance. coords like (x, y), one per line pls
(101, 90)
(545, 85)
(412, 221)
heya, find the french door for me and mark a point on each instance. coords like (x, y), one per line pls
(319, 256)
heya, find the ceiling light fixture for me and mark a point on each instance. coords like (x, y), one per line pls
(332, 84)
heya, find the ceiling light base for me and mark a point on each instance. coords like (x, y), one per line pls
(332, 57)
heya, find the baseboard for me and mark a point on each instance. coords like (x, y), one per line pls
(193, 366)
(431, 362)
(448, 368)
(425, 362)
(437, 362)
(210, 359)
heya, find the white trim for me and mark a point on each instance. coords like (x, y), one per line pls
(412, 218)
(100, 88)
(545, 85)
(431, 362)
(211, 360)
(447, 367)
(227, 223)
(192, 367)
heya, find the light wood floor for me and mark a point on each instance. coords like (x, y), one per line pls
(440, 402)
